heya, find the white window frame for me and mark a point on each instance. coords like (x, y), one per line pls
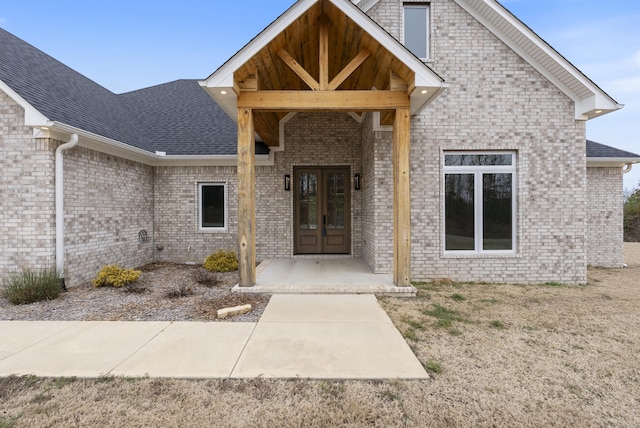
(226, 208)
(478, 171)
(419, 5)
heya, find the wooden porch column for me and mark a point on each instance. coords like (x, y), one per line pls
(246, 198)
(401, 198)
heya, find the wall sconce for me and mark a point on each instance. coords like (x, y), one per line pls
(287, 182)
(356, 181)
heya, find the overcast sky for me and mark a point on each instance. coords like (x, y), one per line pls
(132, 44)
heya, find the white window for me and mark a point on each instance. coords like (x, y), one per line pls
(480, 202)
(212, 206)
(416, 29)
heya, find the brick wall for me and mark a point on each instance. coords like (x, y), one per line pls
(309, 141)
(27, 217)
(496, 101)
(176, 232)
(605, 217)
(108, 201)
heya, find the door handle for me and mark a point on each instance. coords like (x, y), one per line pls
(324, 225)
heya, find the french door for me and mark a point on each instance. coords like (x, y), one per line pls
(322, 210)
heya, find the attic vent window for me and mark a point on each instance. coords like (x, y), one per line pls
(416, 29)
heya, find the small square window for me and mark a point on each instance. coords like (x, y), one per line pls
(212, 206)
(416, 29)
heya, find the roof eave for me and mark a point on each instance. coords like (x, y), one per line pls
(61, 131)
(590, 103)
(611, 162)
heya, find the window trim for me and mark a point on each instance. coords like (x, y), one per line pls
(478, 171)
(418, 5)
(226, 207)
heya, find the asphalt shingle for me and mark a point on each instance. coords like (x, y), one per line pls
(178, 118)
(598, 150)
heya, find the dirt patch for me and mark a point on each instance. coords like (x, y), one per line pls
(164, 292)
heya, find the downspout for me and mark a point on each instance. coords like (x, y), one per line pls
(73, 141)
(627, 167)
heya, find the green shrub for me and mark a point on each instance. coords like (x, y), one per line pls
(115, 276)
(28, 285)
(221, 261)
(632, 217)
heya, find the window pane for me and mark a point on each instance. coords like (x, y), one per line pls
(415, 30)
(459, 212)
(497, 212)
(212, 206)
(475, 160)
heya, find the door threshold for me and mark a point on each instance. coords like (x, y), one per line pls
(323, 256)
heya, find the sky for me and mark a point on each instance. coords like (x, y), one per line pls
(126, 45)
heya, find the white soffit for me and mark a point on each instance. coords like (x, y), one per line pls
(220, 84)
(590, 100)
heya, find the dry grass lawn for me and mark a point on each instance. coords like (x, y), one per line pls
(501, 355)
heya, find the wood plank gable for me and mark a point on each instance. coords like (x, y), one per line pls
(322, 50)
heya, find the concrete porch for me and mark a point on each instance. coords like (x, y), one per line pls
(322, 275)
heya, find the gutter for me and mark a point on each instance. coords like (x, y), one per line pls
(73, 141)
(625, 163)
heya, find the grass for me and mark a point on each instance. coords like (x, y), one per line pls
(497, 324)
(445, 316)
(433, 367)
(458, 297)
(31, 285)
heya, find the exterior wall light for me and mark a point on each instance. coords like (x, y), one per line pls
(287, 182)
(356, 181)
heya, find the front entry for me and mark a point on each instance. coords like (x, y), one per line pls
(322, 210)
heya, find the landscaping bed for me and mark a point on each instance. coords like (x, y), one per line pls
(164, 292)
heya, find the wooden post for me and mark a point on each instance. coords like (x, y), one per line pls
(401, 198)
(246, 198)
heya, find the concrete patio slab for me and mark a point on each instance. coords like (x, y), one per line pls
(85, 349)
(322, 275)
(324, 308)
(190, 350)
(16, 336)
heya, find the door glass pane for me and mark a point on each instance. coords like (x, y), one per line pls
(335, 200)
(497, 212)
(459, 212)
(308, 213)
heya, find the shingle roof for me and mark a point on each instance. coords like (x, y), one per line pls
(597, 150)
(178, 118)
(62, 94)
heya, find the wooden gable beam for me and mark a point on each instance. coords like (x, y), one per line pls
(298, 69)
(323, 100)
(349, 69)
(323, 55)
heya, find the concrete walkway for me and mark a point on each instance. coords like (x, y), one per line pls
(307, 336)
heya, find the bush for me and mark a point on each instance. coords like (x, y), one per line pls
(632, 217)
(115, 276)
(28, 286)
(221, 261)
